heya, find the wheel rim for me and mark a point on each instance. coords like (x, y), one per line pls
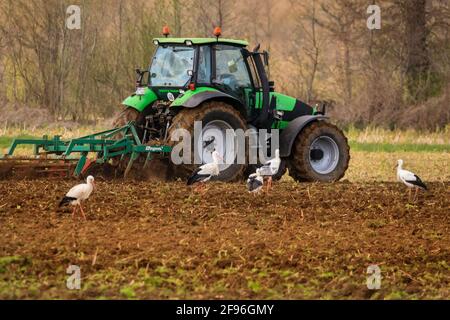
(214, 137)
(324, 155)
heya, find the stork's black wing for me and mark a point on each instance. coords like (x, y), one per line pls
(196, 177)
(417, 182)
(66, 200)
(253, 184)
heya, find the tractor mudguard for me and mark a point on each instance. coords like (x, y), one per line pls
(288, 135)
(193, 98)
(140, 102)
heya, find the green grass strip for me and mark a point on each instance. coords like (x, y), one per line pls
(5, 141)
(398, 147)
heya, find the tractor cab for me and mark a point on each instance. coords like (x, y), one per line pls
(223, 67)
(190, 63)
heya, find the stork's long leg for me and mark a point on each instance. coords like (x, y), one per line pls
(415, 194)
(204, 188)
(269, 184)
(73, 211)
(82, 212)
(409, 194)
(199, 187)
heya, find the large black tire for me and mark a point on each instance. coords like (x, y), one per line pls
(121, 119)
(207, 112)
(125, 116)
(329, 158)
(157, 168)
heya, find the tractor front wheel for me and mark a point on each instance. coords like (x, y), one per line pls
(320, 153)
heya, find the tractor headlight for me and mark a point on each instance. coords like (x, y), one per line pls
(278, 114)
(140, 91)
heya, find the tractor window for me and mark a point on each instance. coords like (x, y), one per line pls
(231, 70)
(171, 65)
(204, 65)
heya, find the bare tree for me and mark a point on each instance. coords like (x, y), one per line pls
(340, 18)
(213, 13)
(417, 62)
(306, 48)
(176, 7)
(319, 49)
(38, 48)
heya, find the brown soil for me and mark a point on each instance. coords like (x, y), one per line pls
(163, 240)
(5, 170)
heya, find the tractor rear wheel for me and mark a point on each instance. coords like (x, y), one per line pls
(156, 168)
(320, 153)
(126, 115)
(130, 114)
(121, 119)
(216, 118)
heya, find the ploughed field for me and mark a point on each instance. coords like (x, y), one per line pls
(162, 240)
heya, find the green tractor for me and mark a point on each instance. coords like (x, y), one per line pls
(225, 86)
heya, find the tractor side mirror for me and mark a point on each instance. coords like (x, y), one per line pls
(272, 86)
(138, 77)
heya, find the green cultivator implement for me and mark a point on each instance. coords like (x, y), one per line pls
(77, 157)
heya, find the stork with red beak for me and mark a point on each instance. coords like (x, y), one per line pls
(409, 179)
(77, 194)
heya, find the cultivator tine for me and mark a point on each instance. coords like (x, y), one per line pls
(147, 160)
(36, 167)
(133, 157)
(81, 165)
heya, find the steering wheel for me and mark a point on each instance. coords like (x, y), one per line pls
(231, 80)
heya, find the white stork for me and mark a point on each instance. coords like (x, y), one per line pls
(270, 168)
(255, 182)
(205, 172)
(77, 194)
(409, 179)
